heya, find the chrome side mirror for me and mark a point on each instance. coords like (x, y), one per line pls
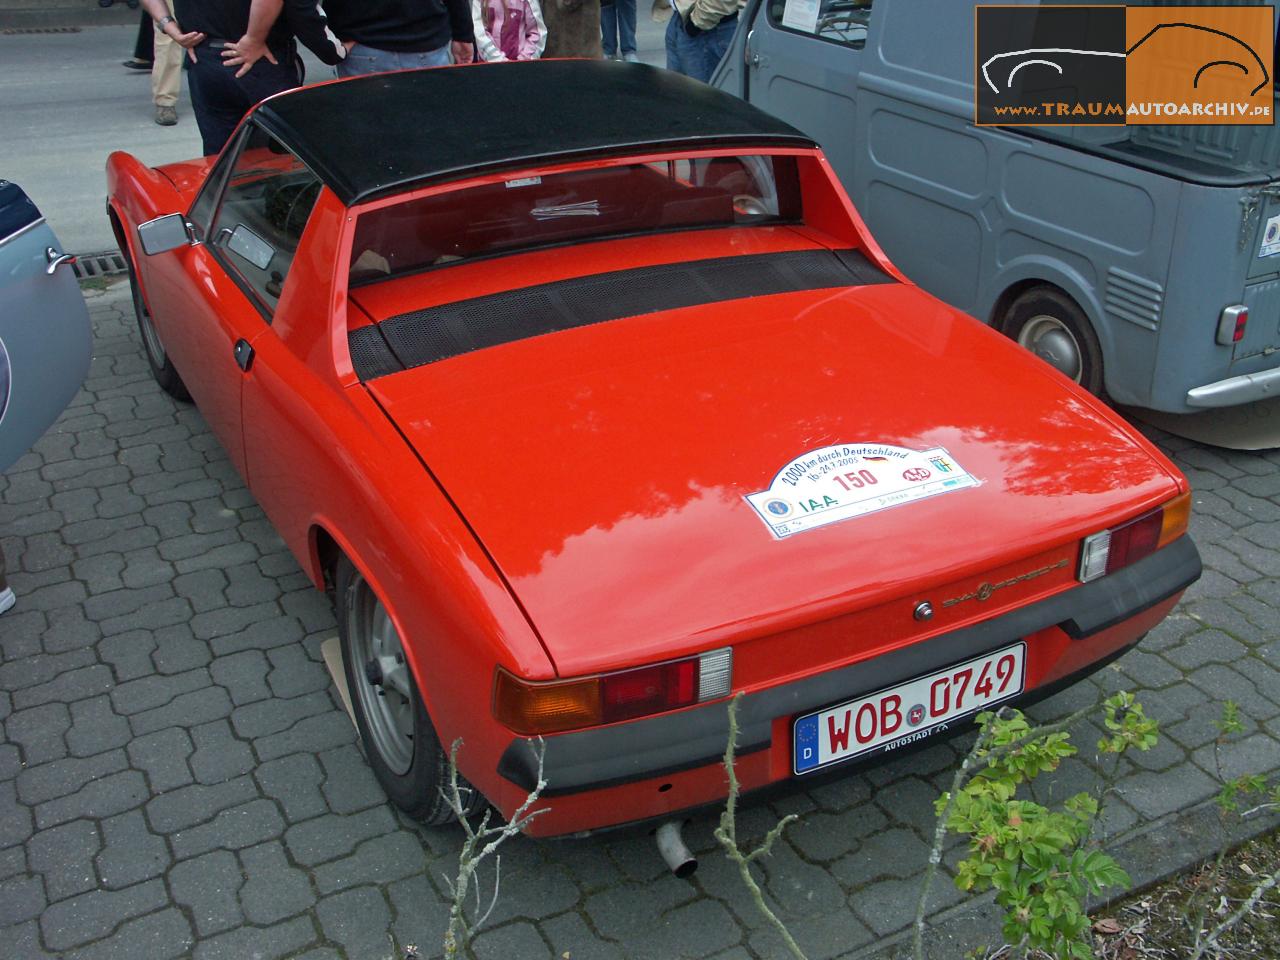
(165, 233)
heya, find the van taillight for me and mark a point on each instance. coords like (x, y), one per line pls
(1231, 324)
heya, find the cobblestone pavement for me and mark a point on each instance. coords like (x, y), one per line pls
(176, 776)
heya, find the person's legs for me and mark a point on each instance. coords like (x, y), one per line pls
(166, 76)
(626, 16)
(705, 51)
(217, 100)
(698, 57)
(609, 28)
(675, 33)
(439, 57)
(265, 79)
(142, 47)
(718, 39)
(363, 60)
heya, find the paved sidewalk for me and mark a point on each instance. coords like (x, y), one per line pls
(176, 777)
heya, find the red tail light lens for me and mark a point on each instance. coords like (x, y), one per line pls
(1237, 334)
(1135, 540)
(635, 693)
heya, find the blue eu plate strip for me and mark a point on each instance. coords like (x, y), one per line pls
(806, 735)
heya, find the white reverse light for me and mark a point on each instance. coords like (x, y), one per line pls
(715, 673)
(1094, 553)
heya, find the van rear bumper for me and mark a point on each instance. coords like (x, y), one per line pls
(1236, 390)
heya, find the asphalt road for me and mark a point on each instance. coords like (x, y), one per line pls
(66, 103)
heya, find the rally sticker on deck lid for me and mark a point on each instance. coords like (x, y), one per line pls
(850, 480)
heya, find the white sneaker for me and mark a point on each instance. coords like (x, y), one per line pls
(7, 599)
(631, 57)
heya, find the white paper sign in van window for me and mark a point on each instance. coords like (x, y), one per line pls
(801, 15)
(850, 480)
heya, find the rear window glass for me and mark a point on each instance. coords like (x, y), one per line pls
(531, 212)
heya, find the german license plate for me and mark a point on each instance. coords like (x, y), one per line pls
(907, 712)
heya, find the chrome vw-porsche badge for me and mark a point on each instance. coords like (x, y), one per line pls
(985, 590)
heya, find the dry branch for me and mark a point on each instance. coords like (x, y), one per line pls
(481, 841)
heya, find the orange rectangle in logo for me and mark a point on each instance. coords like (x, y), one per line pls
(1198, 65)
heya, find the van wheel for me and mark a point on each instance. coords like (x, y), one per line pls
(162, 368)
(400, 743)
(1055, 329)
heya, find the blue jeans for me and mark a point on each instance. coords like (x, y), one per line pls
(698, 56)
(618, 26)
(361, 60)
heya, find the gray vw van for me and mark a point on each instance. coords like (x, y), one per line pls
(1142, 261)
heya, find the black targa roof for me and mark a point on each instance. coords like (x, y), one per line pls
(379, 134)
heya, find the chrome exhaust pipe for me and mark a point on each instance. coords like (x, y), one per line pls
(674, 853)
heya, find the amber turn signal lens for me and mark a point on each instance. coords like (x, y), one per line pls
(1177, 516)
(534, 708)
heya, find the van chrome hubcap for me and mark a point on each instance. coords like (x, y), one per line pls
(1052, 341)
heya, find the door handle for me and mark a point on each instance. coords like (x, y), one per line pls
(54, 259)
(244, 355)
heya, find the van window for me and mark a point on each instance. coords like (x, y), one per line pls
(525, 213)
(840, 21)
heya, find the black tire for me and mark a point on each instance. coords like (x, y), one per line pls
(162, 368)
(1050, 324)
(399, 741)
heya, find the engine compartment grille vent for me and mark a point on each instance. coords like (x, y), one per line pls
(1133, 298)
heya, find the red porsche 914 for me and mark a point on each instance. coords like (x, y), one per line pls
(584, 390)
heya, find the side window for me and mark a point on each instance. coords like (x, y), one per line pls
(265, 205)
(201, 213)
(839, 21)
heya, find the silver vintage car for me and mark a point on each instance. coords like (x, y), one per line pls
(45, 339)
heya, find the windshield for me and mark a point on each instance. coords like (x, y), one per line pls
(578, 205)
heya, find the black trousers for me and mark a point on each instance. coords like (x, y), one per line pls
(144, 46)
(219, 100)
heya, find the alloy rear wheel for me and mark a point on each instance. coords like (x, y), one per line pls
(400, 742)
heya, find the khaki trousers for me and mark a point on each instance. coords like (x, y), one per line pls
(166, 68)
